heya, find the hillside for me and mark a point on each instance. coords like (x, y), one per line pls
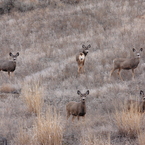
(48, 37)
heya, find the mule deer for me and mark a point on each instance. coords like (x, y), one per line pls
(126, 63)
(138, 105)
(80, 58)
(77, 109)
(9, 66)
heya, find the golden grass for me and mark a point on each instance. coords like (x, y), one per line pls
(128, 122)
(7, 88)
(32, 93)
(48, 128)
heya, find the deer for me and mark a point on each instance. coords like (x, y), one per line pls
(77, 109)
(80, 58)
(127, 63)
(138, 105)
(9, 66)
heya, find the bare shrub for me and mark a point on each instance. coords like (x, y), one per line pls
(32, 93)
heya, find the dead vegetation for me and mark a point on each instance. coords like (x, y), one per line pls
(48, 35)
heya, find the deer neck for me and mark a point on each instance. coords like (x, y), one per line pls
(137, 60)
(82, 109)
(14, 63)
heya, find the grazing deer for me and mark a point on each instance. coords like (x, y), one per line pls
(126, 63)
(9, 66)
(137, 105)
(80, 58)
(77, 109)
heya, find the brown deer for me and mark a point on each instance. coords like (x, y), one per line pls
(138, 105)
(80, 58)
(77, 109)
(9, 66)
(126, 63)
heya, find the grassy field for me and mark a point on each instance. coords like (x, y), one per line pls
(48, 37)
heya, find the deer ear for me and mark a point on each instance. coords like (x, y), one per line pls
(133, 50)
(10, 53)
(89, 46)
(141, 49)
(141, 92)
(87, 93)
(78, 92)
(17, 54)
(83, 46)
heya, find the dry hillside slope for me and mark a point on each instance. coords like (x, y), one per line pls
(48, 37)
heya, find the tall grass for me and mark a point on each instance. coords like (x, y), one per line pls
(128, 122)
(48, 128)
(32, 93)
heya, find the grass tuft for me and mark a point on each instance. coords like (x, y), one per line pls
(32, 93)
(128, 122)
(48, 128)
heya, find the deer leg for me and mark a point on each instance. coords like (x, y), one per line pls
(68, 115)
(133, 74)
(112, 72)
(83, 67)
(84, 118)
(12, 73)
(119, 73)
(73, 118)
(79, 69)
(9, 74)
(78, 117)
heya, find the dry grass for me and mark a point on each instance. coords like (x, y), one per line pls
(32, 94)
(48, 128)
(7, 88)
(48, 38)
(128, 122)
(89, 138)
(22, 137)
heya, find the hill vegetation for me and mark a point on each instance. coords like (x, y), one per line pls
(48, 34)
